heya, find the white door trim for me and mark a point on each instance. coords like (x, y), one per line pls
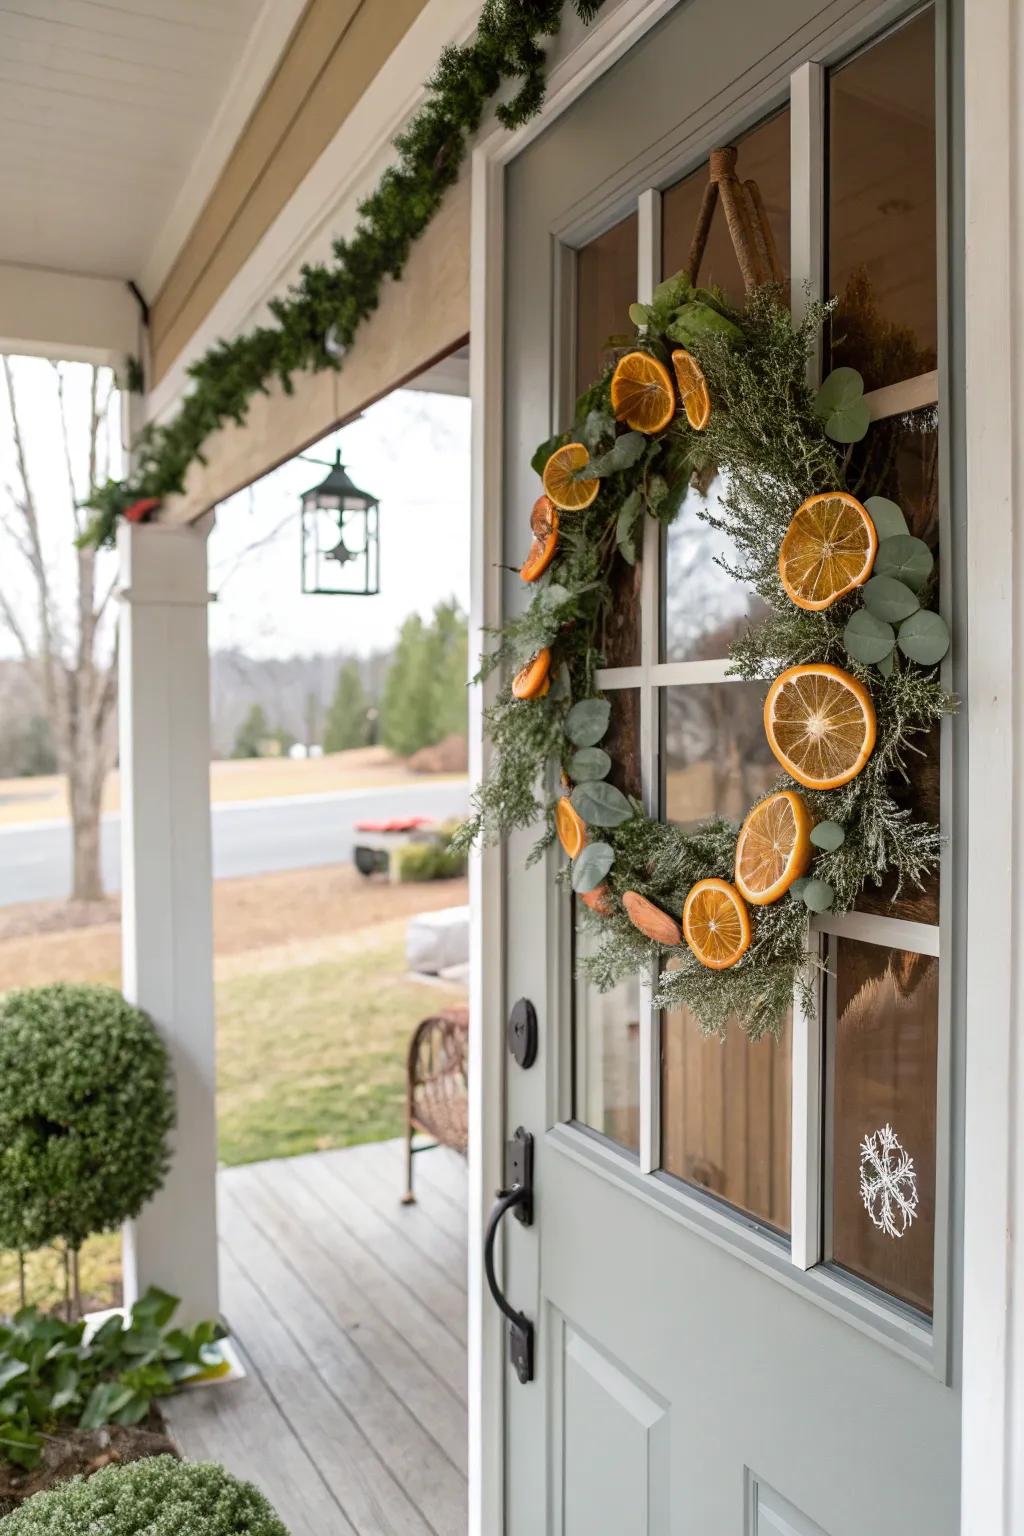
(992, 1455)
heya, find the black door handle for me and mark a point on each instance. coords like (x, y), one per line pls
(519, 1198)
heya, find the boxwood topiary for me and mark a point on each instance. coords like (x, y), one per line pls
(86, 1105)
(156, 1497)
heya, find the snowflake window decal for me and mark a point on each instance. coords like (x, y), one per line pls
(888, 1182)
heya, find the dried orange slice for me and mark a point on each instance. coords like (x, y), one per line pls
(820, 723)
(716, 924)
(693, 388)
(642, 393)
(652, 922)
(533, 680)
(828, 549)
(598, 900)
(773, 848)
(560, 481)
(544, 527)
(570, 826)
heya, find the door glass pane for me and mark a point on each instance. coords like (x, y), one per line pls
(606, 1057)
(715, 758)
(764, 159)
(883, 1048)
(606, 285)
(881, 206)
(725, 1115)
(703, 608)
(622, 740)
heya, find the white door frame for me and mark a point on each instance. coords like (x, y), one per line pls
(993, 372)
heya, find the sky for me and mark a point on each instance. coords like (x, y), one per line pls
(411, 450)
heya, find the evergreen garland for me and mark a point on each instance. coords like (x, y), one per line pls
(318, 318)
(777, 443)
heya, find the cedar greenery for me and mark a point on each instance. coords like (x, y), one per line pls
(319, 317)
(768, 437)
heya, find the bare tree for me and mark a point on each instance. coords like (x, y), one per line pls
(55, 599)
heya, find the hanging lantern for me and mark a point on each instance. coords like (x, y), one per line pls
(340, 543)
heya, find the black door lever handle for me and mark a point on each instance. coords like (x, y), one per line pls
(518, 1198)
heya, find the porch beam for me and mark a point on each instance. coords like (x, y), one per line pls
(166, 871)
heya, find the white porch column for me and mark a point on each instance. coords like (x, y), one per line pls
(167, 917)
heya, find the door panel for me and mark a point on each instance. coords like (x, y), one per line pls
(615, 1446)
(679, 1345)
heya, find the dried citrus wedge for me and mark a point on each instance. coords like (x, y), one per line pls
(828, 549)
(560, 482)
(642, 393)
(820, 723)
(652, 922)
(570, 826)
(693, 388)
(598, 900)
(544, 527)
(773, 848)
(533, 680)
(716, 924)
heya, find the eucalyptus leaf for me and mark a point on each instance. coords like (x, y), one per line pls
(907, 559)
(589, 763)
(799, 886)
(591, 866)
(587, 721)
(625, 525)
(841, 406)
(828, 835)
(597, 424)
(886, 516)
(696, 319)
(639, 314)
(886, 664)
(601, 804)
(623, 454)
(924, 638)
(544, 452)
(868, 639)
(818, 895)
(889, 599)
(842, 388)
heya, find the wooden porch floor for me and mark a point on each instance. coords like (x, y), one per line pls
(349, 1310)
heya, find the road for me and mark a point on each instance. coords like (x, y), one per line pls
(250, 837)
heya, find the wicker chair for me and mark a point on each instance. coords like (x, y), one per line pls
(436, 1087)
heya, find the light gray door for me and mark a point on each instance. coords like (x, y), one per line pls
(727, 1341)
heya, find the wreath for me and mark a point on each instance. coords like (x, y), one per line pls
(849, 649)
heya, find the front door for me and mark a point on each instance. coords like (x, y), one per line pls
(726, 1339)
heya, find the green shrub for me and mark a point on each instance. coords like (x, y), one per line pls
(156, 1497)
(429, 861)
(86, 1105)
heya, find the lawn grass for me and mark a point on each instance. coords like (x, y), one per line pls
(314, 1057)
(309, 1056)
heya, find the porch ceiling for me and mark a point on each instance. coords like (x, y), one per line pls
(116, 117)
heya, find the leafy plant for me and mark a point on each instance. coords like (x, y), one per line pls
(436, 860)
(316, 322)
(159, 1496)
(86, 1106)
(50, 1374)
